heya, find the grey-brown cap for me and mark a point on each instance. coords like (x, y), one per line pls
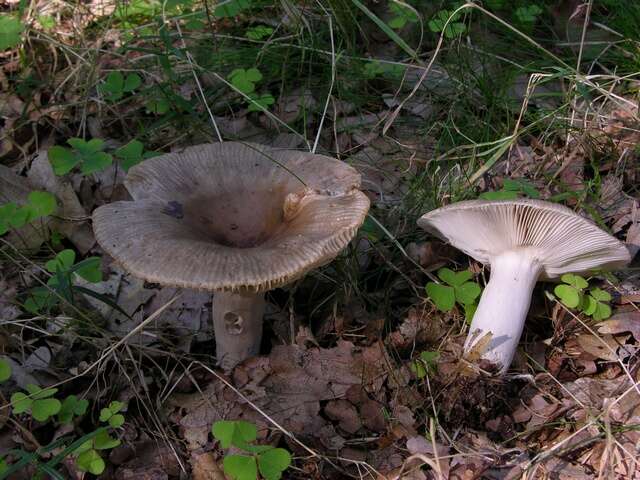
(560, 239)
(232, 216)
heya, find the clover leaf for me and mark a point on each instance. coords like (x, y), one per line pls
(116, 85)
(528, 14)
(110, 414)
(443, 296)
(158, 106)
(453, 29)
(39, 204)
(89, 269)
(40, 298)
(87, 154)
(62, 261)
(568, 295)
(104, 441)
(39, 402)
(90, 461)
(5, 370)
(132, 153)
(88, 458)
(258, 32)
(245, 80)
(426, 364)
(467, 293)
(234, 432)
(258, 101)
(231, 8)
(270, 461)
(60, 284)
(72, 406)
(10, 31)
(458, 289)
(240, 467)
(273, 462)
(596, 304)
(374, 69)
(570, 292)
(402, 15)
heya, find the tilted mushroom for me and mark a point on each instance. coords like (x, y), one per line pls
(523, 241)
(238, 219)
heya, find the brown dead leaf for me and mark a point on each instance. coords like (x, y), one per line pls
(151, 462)
(621, 323)
(372, 415)
(186, 319)
(564, 470)
(205, 467)
(592, 392)
(345, 414)
(288, 385)
(419, 327)
(537, 411)
(604, 346)
(479, 346)
(404, 415)
(71, 219)
(431, 254)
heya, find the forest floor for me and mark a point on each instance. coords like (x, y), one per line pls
(362, 374)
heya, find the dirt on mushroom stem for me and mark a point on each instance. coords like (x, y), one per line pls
(237, 324)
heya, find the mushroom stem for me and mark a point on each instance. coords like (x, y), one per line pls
(237, 325)
(504, 305)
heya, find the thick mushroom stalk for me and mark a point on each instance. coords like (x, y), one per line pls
(504, 304)
(237, 325)
(523, 240)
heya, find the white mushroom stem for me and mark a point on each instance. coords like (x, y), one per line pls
(237, 325)
(504, 305)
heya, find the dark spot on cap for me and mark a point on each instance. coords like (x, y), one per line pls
(173, 209)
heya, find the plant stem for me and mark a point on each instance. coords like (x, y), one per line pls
(504, 305)
(237, 324)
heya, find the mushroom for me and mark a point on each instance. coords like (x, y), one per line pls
(236, 219)
(523, 241)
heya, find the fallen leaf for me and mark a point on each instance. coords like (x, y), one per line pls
(603, 347)
(72, 219)
(345, 414)
(152, 461)
(205, 467)
(622, 322)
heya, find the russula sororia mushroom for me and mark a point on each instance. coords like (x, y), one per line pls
(523, 241)
(236, 219)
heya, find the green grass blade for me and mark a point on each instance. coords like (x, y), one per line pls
(387, 30)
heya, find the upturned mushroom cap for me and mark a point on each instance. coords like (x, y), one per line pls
(561, 240)
(232, 216)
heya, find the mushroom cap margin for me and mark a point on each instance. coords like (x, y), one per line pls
(156, 247)
(563, 241)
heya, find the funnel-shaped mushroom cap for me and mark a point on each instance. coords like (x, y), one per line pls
(232, 216)
(560, 240)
